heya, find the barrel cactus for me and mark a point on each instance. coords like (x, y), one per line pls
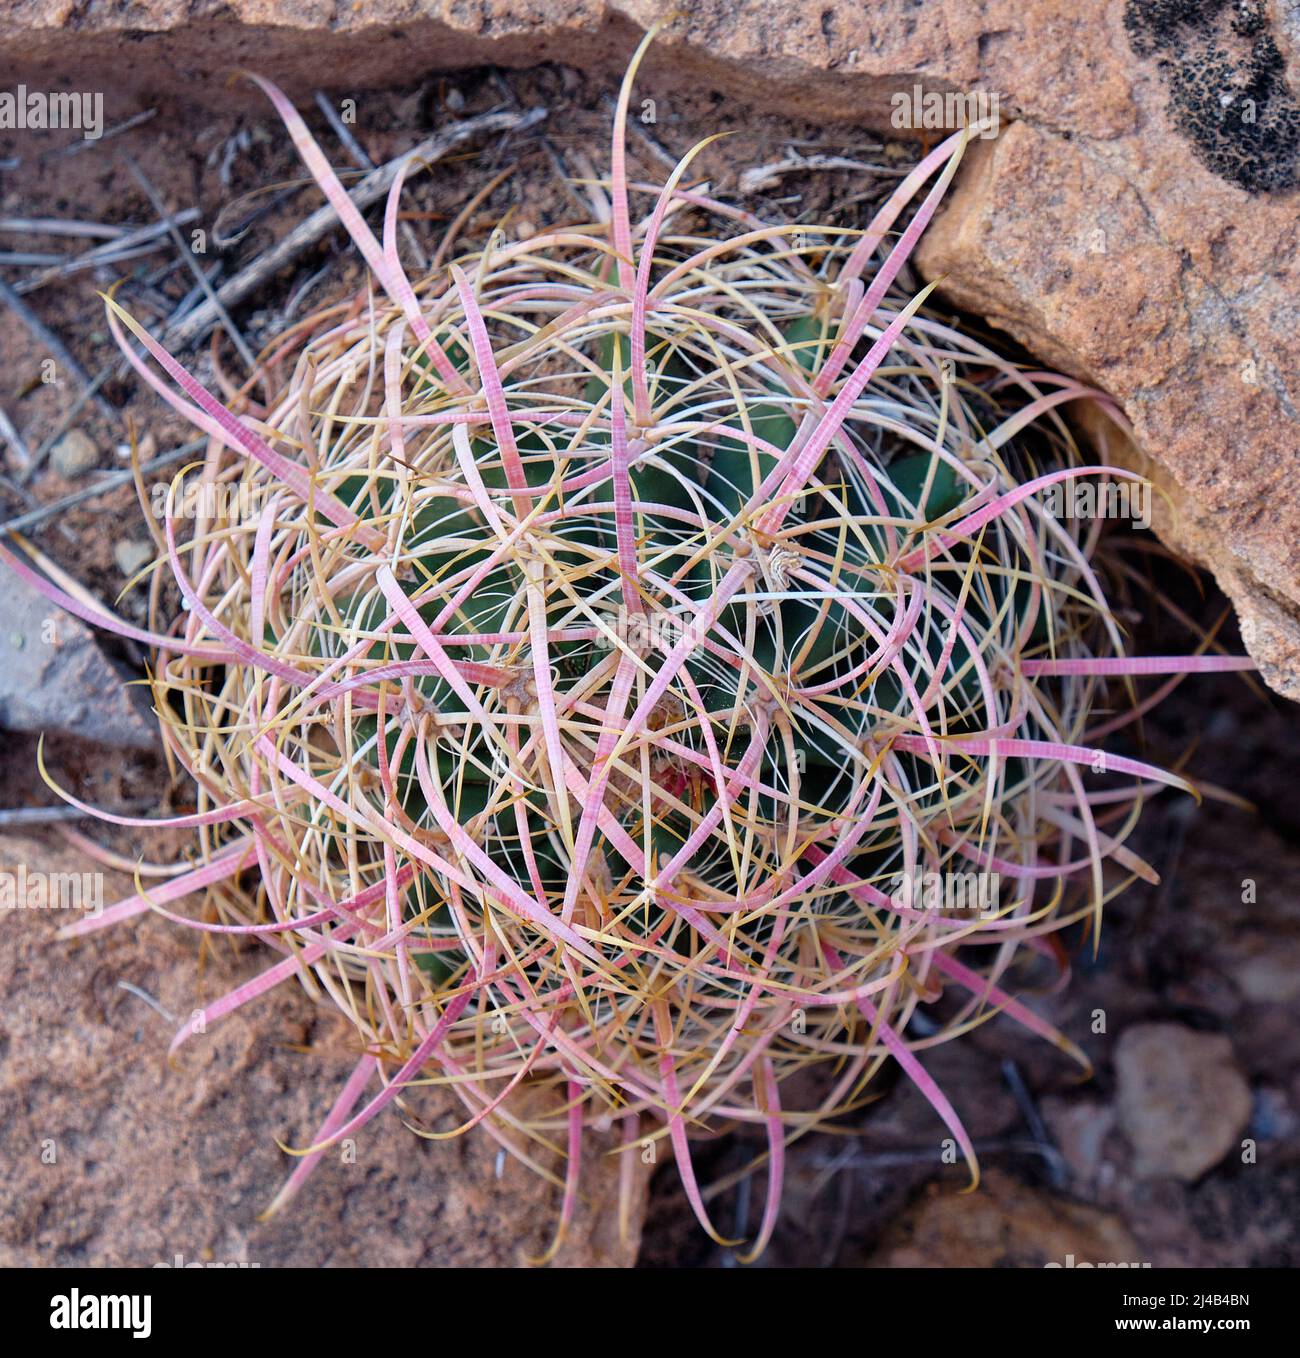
(590, 638)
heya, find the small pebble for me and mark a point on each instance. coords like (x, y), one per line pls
(131, 555)
(1182, 1100)
(147, 448)
(74, 454)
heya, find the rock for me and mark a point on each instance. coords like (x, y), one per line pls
(130, 555)
(54, 677)
(1286, 24)
(74, 454)
(1004, 1224)
(1080, 1127)
(1176, 308)
(838, 60)
(1135, 222)
(1182, 1101)
(1265, 967)
(114, 1158)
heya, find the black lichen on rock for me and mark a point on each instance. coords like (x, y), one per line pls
(1227, 86)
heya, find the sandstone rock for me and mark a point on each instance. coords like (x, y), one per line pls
(839, 59)
(113, 1158)
(74, 454)
(1174, 302)
(54, 677)
(1183, 1103)
(1135, 223)
(1005, 1225)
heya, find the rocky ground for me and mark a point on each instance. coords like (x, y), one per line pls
(113, 1157)
(1185, 1145)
